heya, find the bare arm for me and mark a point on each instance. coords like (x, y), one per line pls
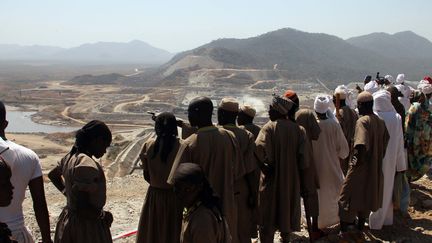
(40, 208)
(55, 175)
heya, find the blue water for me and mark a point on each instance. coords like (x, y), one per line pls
(20, 122)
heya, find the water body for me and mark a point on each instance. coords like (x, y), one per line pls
(20, 122)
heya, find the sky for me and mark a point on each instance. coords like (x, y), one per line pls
(179, 25)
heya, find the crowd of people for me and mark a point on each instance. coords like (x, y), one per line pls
(350, 162)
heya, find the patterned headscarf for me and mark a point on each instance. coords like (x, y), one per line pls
(281, 104)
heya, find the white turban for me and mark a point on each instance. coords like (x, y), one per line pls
(371, 87)
(425, 87)
(389, 78)
(8, 154)
(382, 101)
(400, 78)
(322, 103)
(342, 90)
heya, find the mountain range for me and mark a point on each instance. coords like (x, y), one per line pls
(101, 52)
(301, 55)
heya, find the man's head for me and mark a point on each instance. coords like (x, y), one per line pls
(6, 191)
(426, 88)
(394, 92)
(3, 122)
(227, 111)
(321, 106)
(189, 181)
(367, 79)
(365, 103)
(281, 108)
(200, 112)
(246, 115)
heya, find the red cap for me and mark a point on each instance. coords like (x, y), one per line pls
(290, 94)
(429, 79)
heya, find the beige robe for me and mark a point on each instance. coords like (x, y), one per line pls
(306, 118)
(362, 189)
(85, 189)
(244, 212)
(161, 215)
(280, 144)
(330, 147)
(218, 153)
(254, 129)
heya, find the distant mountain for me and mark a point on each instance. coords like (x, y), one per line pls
(405, 44)
(299, 55)
(101, 52)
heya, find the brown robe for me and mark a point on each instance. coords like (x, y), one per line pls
(85, 188)
(363, 186)
(203, 225)
(218, 153)
(244, 212)
(348, 123)
(280, 144)
(306, 118)
(161, 215)
(254, 129)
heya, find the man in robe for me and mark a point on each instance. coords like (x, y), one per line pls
(418, 135)
(245, 119)
(394, 159)
(328, 150)
(362, 191)
(310, 183)
(217, 151)
(280, 154)
(246, 196)
(405, 90)
(347, 118)
(400, 109)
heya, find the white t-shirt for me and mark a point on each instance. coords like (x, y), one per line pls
(26, 168)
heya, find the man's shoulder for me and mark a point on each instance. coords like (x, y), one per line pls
(21, 150)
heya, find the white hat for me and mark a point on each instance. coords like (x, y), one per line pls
(229, 104)
(425, 87)
(382, 101)
(400, 79)
(371, 87)
(248, 110)
(322, 103)
(389, 78)
(342, 90)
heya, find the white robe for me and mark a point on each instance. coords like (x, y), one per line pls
(394, 160)
(330, 147)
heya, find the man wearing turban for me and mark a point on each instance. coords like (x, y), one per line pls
(280, 154)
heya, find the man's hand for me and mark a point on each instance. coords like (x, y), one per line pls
(179, 123)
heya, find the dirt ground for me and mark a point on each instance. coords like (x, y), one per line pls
(125, 112)
(125, 197)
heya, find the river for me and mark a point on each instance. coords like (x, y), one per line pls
(20, 122)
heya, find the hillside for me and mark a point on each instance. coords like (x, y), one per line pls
(405, 44)
(95, 53)
(300, 55)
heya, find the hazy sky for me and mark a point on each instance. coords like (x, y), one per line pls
(184, 24)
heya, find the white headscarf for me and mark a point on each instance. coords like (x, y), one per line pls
(425, 87)
(382, 102)
(371, 87)
(342, 90)
(389, 78)
(8, 154)
(322, 103)
(400, 78)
